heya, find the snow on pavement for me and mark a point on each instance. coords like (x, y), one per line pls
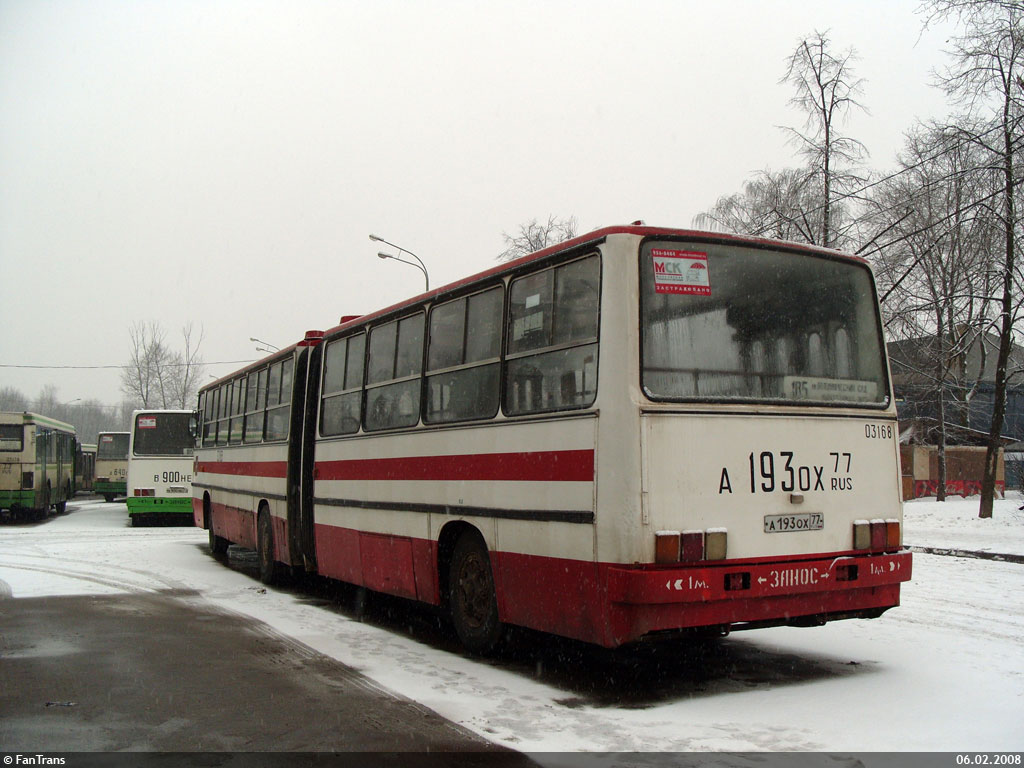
(942, 672)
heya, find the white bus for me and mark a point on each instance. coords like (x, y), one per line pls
(112, 465)
(638, 432)
(37, 464)
(160, 456)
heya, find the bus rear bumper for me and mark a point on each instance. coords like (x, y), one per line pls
(739, 596)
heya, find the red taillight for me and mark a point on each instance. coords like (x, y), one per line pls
(690, 546)
(693, 546)
(145, 492)
(877, 535)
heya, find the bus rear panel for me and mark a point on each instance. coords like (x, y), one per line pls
(160, 466)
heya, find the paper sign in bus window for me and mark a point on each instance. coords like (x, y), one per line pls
(147, 422)
(684, 272)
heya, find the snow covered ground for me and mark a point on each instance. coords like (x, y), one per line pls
(943, 672)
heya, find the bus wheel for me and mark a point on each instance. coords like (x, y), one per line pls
(270, 571)
(44, 508)
(108, 497)
(62, 506)
(472, 600)
(218, 544)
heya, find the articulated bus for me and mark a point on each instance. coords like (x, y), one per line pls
(112, 465)
(37, 465)
(160, 458)
(85, 467)
(638, 433)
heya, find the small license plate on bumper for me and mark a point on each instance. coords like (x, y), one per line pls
(805, 521)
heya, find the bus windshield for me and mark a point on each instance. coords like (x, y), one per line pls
(163, 434)
(725, 322)
(113, 447)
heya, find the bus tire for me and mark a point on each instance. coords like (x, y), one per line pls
(472, 601)
(108, 497)
(44, 509)
(218, 544)
(270, 570)
(62, 505)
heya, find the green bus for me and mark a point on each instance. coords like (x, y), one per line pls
(111, 465)
(37, 465)
(160, 467)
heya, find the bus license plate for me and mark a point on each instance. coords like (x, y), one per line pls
(805, 521)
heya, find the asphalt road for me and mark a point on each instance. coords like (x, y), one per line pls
(164, 672)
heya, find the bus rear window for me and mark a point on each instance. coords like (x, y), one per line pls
(163, 434)
(721, 322)
(113, 447)
(11, 437)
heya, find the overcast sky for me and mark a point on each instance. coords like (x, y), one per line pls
(222, 163)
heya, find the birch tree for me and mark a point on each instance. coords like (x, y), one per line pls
(826, 90)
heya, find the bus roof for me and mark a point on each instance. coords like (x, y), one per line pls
(27, 417)
(593, 238)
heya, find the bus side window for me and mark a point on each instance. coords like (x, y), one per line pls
(255, 402)
(343, 380)
(223, 412)
(210, 418)
(463, 358)
(552, 338)
(393, 374)
(279, 400)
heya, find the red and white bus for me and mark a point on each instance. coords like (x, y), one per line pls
(636, 432)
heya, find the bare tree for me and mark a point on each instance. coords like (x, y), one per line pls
(779, 204)
(986, 77)
(156, 376)
(12, 399)
(47, 402)
(535, 236)
(933, 272)
(141, 376)
(826, 90)
(187, 368)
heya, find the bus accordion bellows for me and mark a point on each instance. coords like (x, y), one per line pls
(112, 465)
(635, 433)
(37, 465)
(160, 465)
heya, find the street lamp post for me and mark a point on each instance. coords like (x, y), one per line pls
(265, 344)
(418, 263)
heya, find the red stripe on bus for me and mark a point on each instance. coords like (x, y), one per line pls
(244, 468)
(540, 466)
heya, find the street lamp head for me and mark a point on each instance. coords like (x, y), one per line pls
(374, 238)
(382, 255)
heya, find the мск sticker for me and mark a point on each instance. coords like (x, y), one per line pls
(681, 272)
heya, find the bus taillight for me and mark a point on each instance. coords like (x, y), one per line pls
(876, 535)
(690, 546)
(666, 547)
(145, 492)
